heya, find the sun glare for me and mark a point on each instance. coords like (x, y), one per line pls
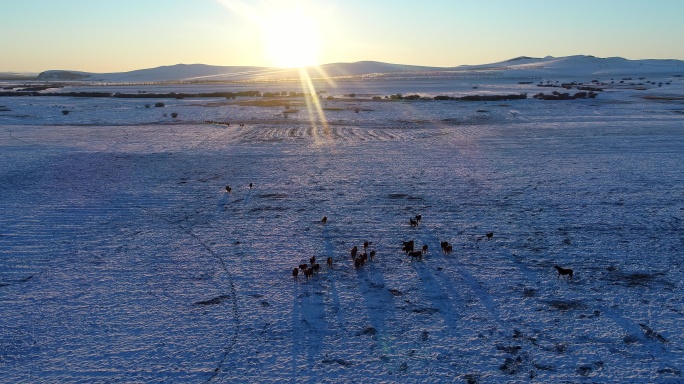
(291, 39)
(289, 30)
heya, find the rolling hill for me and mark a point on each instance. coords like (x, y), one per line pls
(569, 67)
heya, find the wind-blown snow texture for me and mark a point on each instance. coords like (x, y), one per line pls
(123, 259)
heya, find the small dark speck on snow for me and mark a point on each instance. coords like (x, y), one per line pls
(368, 331)
(429, 311)
(214, 301)
(341, 362)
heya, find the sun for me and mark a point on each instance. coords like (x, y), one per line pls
(291, 38)
(290, 30)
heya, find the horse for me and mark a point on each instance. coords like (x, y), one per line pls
(372, 255)
(414, 223)
(490, 235)
(425, 249)
(312, 260)
(419, 217)
(228, 188)
(354, 251)
(330, 261)
(416, 254)
(324, 219)
(407, 246)
(563, 271)
(295, 272)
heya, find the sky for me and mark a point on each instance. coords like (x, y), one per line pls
(121, 35)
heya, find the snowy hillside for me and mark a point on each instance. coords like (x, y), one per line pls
(165, 73)
(567, 67)
(199, 72)
(582, 66)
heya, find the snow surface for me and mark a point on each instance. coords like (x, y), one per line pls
(123, 259)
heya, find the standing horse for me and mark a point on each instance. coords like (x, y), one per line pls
(563, 271)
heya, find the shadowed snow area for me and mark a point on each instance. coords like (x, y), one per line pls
(124, 259)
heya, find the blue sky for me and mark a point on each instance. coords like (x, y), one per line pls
(121, 35)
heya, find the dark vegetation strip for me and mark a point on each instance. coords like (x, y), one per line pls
(233, 95)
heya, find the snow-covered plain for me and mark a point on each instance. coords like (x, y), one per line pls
(123, 259)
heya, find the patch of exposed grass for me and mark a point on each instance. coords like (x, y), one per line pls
(566, 305)
(664, 98)
(267, 103)
(639, 279)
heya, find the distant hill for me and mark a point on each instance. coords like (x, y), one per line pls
(581, 66)
(519, 67)
(178, 72)
(17, 76)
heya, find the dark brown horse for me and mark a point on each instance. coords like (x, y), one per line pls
(308, 272)
(563, 271)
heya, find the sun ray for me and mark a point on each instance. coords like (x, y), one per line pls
(291, 39)
(313, 106)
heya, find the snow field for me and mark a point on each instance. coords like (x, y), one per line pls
(123, 259)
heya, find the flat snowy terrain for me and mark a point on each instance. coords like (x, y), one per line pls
(123, 258)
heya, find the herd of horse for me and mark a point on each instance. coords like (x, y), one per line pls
(359, 259)
(409, 247)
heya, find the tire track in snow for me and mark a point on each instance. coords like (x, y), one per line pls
(233, 293)
(231, 283)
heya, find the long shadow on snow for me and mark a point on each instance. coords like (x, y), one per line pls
(309, 308)
(448, 285)
(380, 308)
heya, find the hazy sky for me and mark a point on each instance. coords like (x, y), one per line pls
(122, 35)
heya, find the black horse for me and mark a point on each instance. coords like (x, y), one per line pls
(563, 271)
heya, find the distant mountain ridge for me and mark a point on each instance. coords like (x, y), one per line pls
(523, 66)
(17, 76)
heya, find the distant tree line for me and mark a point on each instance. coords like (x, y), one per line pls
(521, 96)
(140, 95)
(555, 95)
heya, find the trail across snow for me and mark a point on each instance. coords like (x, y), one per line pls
(124, 259)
